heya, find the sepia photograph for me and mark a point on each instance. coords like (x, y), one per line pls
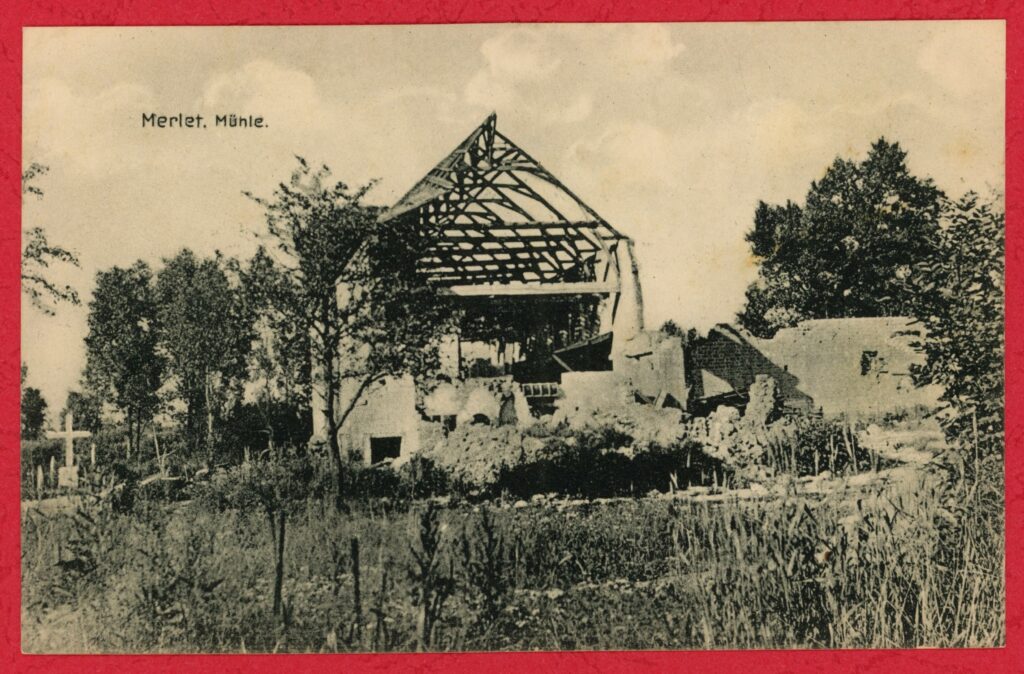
(513, 337)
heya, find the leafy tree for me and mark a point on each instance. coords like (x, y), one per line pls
(848, 250)
(673, 329)
(205, 336)
(37, 254)
(960, 291)
(122, 363)
(33, 412)
(279, 361)
(351, 285)
(86, 409)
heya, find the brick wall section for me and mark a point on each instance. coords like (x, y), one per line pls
(819, 364)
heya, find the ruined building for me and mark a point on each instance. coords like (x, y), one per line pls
(546, 286)
(553, 322)
(836, 366)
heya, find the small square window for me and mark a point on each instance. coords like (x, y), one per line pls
(385, 448)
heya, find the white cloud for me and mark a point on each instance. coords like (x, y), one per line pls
(63, 126)
(575, 112)
(521, 54)
(644, 45)
(556, 73)
(263, 87)
(512, 58)
(963, 57)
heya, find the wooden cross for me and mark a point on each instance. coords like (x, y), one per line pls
(69, 435)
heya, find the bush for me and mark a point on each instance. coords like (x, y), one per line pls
(583, 468)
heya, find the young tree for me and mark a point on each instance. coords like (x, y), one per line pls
(122, 363)
(279, 362)
(87, 411)
(275, 485)
(37, 254)
(848, 250)
(33, 409)
(960, 293)
(205, 336)
(351, 285)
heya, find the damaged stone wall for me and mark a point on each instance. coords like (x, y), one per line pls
(491, 400)
(653, 364)
(397, 408)
(851, 366)
(387, 410)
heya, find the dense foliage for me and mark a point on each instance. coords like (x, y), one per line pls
(848, 250)
(959, 295)
(874, 240)
(123, 363)
(205, 337)
(33, 410)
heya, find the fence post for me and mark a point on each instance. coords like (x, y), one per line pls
(357, 605)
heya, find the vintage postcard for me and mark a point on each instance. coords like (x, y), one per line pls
(513, 337)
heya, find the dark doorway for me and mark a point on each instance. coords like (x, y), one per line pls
(385, 448)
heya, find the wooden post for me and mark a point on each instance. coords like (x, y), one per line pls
(638, 296)
(278, 562)
(357, 605)
(159, 456)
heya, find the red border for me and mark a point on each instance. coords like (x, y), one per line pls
(18, 13)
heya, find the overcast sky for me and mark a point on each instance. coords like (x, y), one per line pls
(671, 132)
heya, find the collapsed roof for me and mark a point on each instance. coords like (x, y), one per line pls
(497, 217)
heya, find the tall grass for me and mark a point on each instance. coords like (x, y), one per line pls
(918, 562)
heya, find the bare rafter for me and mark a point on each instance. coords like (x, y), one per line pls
(489, 222)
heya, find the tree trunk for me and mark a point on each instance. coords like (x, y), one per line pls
(279, 559)
(131, 431)
(128, 437)
(209, 419)
(333, 446)
(268, 417)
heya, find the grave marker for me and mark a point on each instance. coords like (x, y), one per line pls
(67, 475)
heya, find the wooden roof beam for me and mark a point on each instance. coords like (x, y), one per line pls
(536, 289)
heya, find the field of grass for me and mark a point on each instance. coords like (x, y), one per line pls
(911, 562)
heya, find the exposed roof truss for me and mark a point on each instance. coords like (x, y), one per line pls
(496, 216)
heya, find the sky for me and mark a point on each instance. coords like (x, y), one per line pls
(672, 132)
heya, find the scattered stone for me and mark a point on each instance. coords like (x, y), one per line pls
(905, 446)
(763, 405)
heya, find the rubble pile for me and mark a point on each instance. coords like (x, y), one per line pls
(649, 427)
(475, 453)
(741, 441)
